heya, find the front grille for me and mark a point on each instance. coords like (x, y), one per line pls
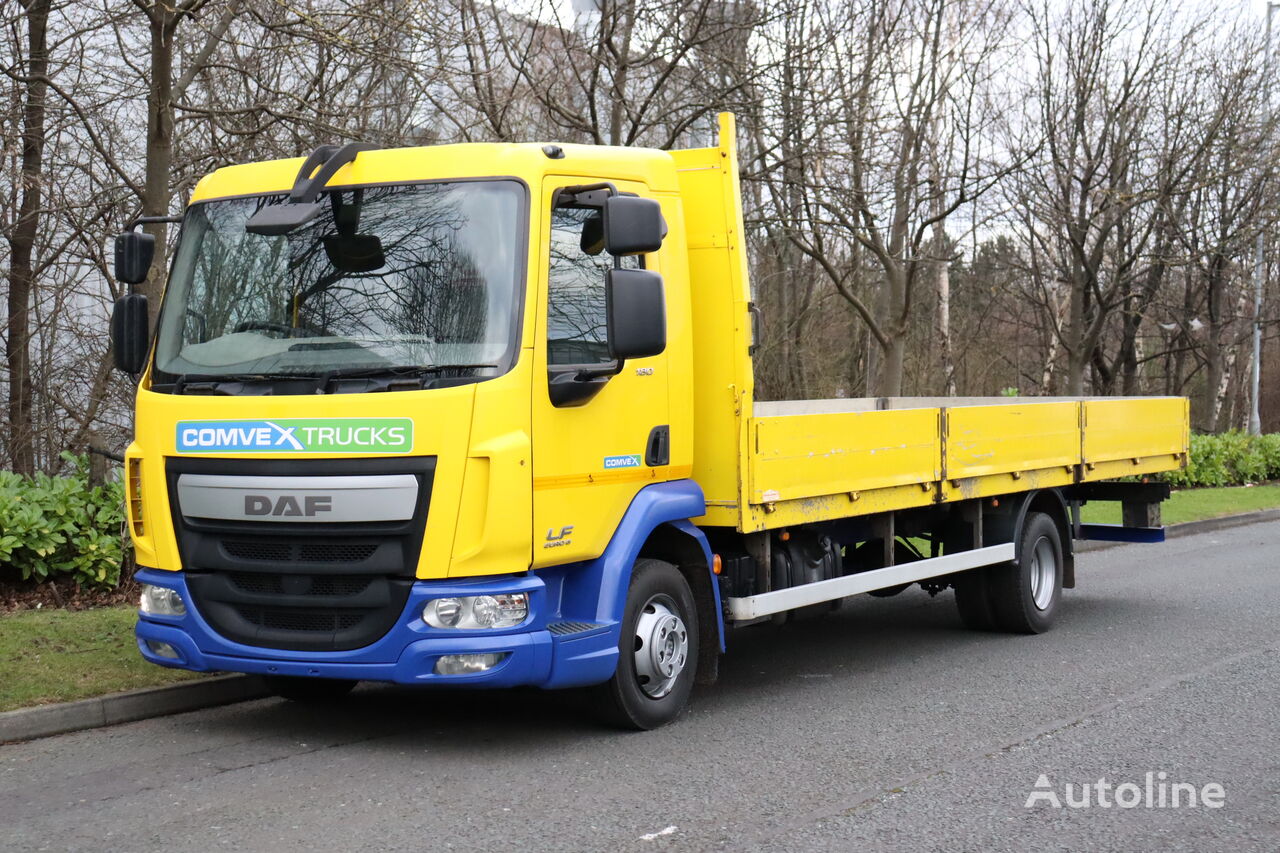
(334, 552)
(280, 584)
(266, 552)
(302, 586)
(298, 611)
(305, 552)
(294, 620)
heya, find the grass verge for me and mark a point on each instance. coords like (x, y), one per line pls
(1197, 504)
(63, 655)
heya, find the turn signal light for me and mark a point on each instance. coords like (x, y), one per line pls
(133, 488)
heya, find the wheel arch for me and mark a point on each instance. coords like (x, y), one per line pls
(657, 525)
(685, 546)
(1053, 504)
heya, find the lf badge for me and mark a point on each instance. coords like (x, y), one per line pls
(558, 540)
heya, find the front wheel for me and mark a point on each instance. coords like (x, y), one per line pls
(657, 652)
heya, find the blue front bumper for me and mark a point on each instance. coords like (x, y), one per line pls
(537, 654)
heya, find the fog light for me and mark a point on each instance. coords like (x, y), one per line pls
(162, 650)
(505, 610)
(161, 601)
(467, 664)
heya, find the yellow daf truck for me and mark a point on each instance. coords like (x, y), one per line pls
(484, 415)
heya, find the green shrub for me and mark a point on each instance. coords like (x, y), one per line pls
(52, 526)
(1229, 459)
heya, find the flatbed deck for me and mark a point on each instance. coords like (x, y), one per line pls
(814, 460)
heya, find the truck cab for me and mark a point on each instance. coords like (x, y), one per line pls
(385, 378)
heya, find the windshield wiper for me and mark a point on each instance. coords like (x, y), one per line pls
(186, 379)
(395, 370)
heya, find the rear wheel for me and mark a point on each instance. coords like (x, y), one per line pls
(308, 689)
(973, 600)
(1025, 593)
(657, 652)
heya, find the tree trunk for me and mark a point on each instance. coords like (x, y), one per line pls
(892, 318)
(1077, 352)
(1215, 360)
(22, 242)
(159, 159)
(944, 309)
(892, 362)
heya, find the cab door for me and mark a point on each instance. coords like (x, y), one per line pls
(594, 447)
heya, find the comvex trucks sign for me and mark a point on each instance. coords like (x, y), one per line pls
(297, 435)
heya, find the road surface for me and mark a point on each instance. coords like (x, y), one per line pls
(885, 726)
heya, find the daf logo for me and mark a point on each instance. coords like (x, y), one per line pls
(287, 505)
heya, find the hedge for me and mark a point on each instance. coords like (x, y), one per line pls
(1229, 459)
(53, 526)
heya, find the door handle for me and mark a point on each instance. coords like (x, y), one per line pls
(658, 448)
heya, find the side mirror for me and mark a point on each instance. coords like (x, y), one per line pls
(636, 313)
(632, 226)
(130, 335)
(134, 252)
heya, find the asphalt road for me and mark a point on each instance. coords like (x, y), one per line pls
(886, 726)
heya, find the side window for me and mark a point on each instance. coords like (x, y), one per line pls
(576, 332)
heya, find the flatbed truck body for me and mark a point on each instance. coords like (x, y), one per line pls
(485, 415)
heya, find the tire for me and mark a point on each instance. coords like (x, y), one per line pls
(974, 601)
(657, 650)
(297, 689)
(1024, 594)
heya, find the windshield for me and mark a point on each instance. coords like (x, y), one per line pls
(390, 278)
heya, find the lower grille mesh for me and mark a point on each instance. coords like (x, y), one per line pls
(306, 552)
(325, 585)
(281, 619)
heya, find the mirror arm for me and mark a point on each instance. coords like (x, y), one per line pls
(586, 195)
(591, 373)
(151, 220)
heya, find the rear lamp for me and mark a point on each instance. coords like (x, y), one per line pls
(470, 612)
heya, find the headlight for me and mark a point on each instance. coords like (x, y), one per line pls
(161, 601)
(477, 611)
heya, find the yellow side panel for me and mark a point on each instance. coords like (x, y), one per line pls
(805, 456)
(1134, 436)
(495, 511)
(994, 485)
(772, 516)
(720, 297)
(984, 440)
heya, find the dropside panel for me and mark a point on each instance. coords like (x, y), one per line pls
(1134, 436)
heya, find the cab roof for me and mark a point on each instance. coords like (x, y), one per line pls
(525, 161)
